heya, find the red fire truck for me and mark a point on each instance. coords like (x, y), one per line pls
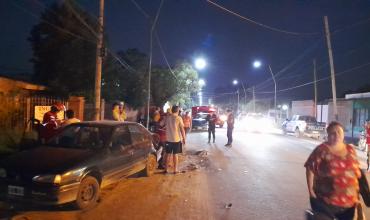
(199, 115)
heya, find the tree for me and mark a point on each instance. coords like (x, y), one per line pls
(122, 83)
(64, 50)
(187, 84)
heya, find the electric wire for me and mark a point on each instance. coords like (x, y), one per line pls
(258, 23)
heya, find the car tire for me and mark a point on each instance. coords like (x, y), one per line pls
(88, 193)
(151, 165)
(297, 133)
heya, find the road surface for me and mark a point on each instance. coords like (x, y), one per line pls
(261, 176)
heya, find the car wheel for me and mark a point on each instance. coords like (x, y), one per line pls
(151, 165)
(297, 133)
(88, 193)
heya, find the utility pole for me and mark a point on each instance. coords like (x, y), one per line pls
(273, 78)
(99, 60)
(254, 99)
(237, 111)
(333, 85)
(245, 97)
(315, 86)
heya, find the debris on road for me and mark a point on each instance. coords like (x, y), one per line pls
(202, 153)
(228, 206)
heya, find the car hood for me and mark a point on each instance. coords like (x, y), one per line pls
(45, 160)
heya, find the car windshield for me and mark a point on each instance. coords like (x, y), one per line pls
(201, 115)
(81, 136)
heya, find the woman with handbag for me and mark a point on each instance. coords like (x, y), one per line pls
(332, 172)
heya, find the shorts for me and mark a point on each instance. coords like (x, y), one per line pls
(173, 147)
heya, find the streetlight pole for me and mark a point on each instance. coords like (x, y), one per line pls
(245, 96)
(273, 78)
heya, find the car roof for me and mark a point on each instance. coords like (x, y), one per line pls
(105, 123)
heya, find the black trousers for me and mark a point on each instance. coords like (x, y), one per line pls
(230, 135)
(331, 211)
(211, 130)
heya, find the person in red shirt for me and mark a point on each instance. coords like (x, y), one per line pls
(51, 122)
(332, 172)
(367, 135)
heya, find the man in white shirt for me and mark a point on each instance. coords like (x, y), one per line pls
(174, 127)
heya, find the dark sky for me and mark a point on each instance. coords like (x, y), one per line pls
(188, 28)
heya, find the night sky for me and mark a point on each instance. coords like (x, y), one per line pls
(189, 28)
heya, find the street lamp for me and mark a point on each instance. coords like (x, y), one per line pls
(258, 64)
(200, 63)
(235, 82)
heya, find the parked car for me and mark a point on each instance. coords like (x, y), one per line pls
(303, 125)
(76, 163)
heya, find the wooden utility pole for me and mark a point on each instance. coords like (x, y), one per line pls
(332, 72)
(254, 99)
(99, 60)
(315, 86)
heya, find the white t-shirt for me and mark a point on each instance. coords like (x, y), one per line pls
(174, 124)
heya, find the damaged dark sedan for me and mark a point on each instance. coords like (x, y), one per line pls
(76, 163)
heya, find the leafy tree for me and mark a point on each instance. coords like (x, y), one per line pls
(64, 50)
(187, 84)
(122, 83)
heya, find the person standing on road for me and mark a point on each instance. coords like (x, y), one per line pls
(187, 122)
(332, 172)
(367, 135)
(174, 128)
(211, 118)
(230, 127)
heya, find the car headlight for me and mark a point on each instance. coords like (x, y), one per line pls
(55, 179)
(2, 173)
(223, 117)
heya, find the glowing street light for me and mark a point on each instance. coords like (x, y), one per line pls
(257, 64)
(200, 63)
(235, 82)
(202, 82)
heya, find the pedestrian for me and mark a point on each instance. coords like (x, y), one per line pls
(70, 118)
(230, 127)
(118, 111)
(367, 135)
(50, 122)
(332, 172)
(211, 119)
(187, 122)
(174, 128)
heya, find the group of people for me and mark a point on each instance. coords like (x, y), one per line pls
(51, 123)
(212, 120)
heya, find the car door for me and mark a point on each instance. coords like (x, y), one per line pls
(120, 160)
(141, 143)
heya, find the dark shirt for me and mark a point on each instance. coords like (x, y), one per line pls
(211, 121)
(230, 120)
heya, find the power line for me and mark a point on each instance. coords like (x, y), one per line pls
(258, 23)
(319, 80)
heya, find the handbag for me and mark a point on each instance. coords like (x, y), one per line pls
(364, 188)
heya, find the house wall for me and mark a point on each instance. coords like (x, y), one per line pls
(305, 107)
(345, 113)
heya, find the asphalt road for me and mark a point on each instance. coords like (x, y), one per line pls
(261, 176)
